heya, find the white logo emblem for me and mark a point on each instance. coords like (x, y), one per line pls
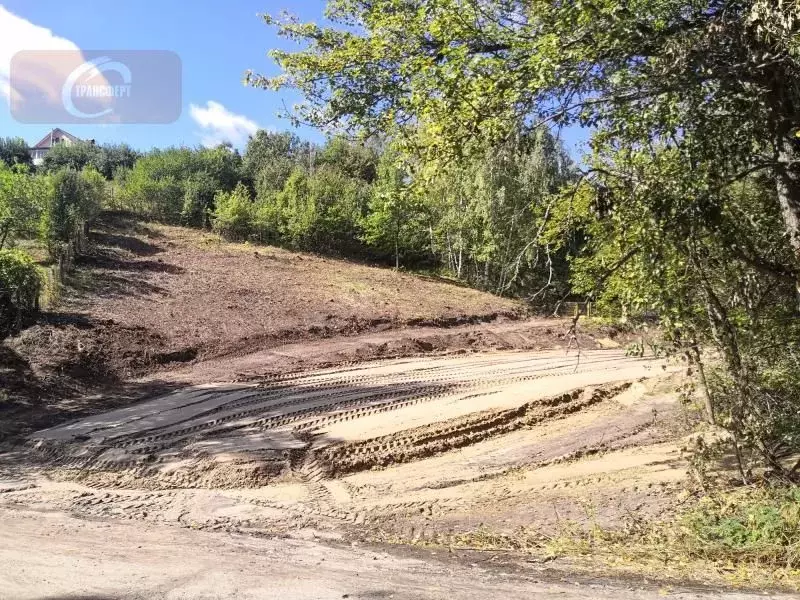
(88, 70)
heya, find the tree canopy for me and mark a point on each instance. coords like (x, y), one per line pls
(14, 151)
(716, 78)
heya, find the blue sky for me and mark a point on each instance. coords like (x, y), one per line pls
(216, 40)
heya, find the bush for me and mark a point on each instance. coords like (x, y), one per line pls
(74, 201)
(14, 151)
(198, 199)
(753, 526)
(177, 185)
(20, 284)
(21, 199)
(232, 213)
(71, 156)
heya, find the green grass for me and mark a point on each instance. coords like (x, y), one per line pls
(758, 526)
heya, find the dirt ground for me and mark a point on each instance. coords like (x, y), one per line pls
(205, 298)
(152, 308)
(391, 431)
(53, 556)
(335, 475)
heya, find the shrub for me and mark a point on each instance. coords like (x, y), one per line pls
(71, 156)
(232, 213)
(20, 284)
(198, 199)
(177, 185)
(74, 201)
(21, 198)
(14, 151)
(755, 526)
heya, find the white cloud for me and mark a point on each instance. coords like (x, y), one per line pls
(221, 125)
(20, 34)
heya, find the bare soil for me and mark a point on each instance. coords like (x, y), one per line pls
(207, 298)
(193, 385)
(55, 556)
(152, 308)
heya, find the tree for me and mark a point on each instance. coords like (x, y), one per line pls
(270, 158)
(714, 77)
(198, 199)
(14, 151)
(22, 197)
(718, 282)
(395, 222)
(74, 200)
(74, 156)
(106, 159)
(691, 200)
(487, 215)
(356, 161)
(112, 158)
(178, 184)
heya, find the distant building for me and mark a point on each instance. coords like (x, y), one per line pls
(57, 136)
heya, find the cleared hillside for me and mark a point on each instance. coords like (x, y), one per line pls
(192, 295)
(149, 297)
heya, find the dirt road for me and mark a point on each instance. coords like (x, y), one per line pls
(404, 450)
(335, 421)
(49, 556)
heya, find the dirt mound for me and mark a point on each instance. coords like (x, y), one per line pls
(99, 350)
(442, 437)
(389, 343)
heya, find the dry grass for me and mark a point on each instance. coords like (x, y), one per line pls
(747, 537)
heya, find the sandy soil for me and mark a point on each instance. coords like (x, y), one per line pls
(46, 555)
(337, 420)
(401, 450)
(441, 451)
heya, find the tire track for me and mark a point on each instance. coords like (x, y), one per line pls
(147, 438)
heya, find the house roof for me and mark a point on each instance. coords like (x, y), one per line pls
(47, 141)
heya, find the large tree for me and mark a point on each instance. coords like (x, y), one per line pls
(718, 78)
(14, 151)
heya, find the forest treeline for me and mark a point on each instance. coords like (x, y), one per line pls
(471, 221)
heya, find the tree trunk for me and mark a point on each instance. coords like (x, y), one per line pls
(788, 187)
(4, 235)
(707, 399)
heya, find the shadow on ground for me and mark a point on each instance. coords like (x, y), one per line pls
(32, 398)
